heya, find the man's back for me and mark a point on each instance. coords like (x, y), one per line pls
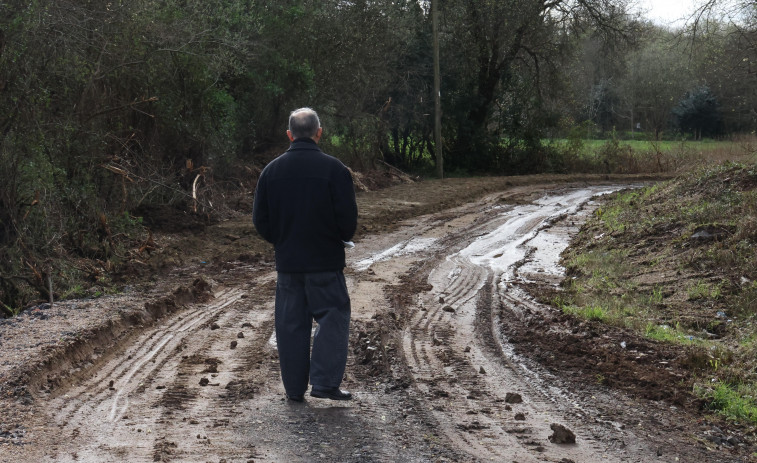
(305, 205)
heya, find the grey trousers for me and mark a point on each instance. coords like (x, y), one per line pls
(300, 299)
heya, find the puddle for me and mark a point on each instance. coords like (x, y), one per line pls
(404, 248)
(527, 241)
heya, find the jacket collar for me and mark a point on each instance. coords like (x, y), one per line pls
(304, 143)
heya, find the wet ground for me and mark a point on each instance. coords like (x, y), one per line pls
(452, 359)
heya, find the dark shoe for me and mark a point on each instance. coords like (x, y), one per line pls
(334, 394)
(296, 398)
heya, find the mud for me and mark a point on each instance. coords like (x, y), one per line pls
(454, 357)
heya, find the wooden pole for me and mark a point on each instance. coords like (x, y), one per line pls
(50, 284)
(437, 91)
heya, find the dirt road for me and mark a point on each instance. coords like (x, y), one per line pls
(434, 374)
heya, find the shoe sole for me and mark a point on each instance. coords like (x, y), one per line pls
(321, 395)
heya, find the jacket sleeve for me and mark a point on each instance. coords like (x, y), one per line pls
(345, 205)
(261, 217)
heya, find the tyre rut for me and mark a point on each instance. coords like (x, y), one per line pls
(485, 401)
(150, 376)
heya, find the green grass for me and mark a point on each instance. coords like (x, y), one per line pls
(736, 402)
(657, 296)
(644, 155)
(595, 263)
(593, 145)
(72, 292)
(611, 214)
(636, 265)
(601, 292)
(7, 310)
(589, 313)
(747, 301)
(702, 290)
(672, 335)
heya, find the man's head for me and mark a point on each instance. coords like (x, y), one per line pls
(304, 123)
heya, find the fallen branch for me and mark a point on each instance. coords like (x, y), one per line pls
(117, 170)
(50, 286)
(131, 105)
(194, 192)
(397, 171)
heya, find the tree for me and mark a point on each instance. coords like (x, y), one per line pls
(659, 72)
(723, 39)
(699, 113)
(106, 107)
(593, 75)
(103, 107)
(503, 53)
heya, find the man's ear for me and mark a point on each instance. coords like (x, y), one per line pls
(289, 134)
(318, 135)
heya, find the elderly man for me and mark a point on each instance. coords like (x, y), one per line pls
(305, 205)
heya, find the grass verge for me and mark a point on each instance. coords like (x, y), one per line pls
(675, 262)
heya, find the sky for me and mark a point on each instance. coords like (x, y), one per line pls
(668, 11)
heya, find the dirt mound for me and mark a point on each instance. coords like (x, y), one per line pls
(591, 352)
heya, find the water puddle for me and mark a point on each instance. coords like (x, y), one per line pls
(404, 248)
(527, 242)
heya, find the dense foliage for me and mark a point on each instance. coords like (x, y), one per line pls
(111, 109)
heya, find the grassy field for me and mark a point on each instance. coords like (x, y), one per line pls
(705, 145)
(576, 155)
(720, 149)
(638, 156)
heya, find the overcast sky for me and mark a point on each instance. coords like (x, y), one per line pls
(668, 11)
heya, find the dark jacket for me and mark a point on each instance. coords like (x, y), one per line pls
(305, 205)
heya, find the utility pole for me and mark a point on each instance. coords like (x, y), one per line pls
(437, 91)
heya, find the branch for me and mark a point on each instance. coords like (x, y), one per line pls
(701, 13)
(118, 108)
(122, 65)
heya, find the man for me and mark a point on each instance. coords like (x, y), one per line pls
(305, 205)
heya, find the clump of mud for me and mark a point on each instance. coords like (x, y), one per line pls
(561, 435)
(368, 350)
(199, 291)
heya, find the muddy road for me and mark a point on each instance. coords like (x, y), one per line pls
(434, 374)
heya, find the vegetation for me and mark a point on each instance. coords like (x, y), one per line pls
(734, 401)
(114, 112)
(675, 262)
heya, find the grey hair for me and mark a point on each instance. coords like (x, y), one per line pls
(303, 123)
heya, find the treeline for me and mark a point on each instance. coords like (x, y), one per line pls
(694, 81)
(110, 108)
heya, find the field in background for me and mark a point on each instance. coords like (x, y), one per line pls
(642, 156)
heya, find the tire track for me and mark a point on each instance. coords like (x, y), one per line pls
(133, 389)
(440, 383)
(457, 396)
(485, 401)
(215, 410)
(141, 351)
